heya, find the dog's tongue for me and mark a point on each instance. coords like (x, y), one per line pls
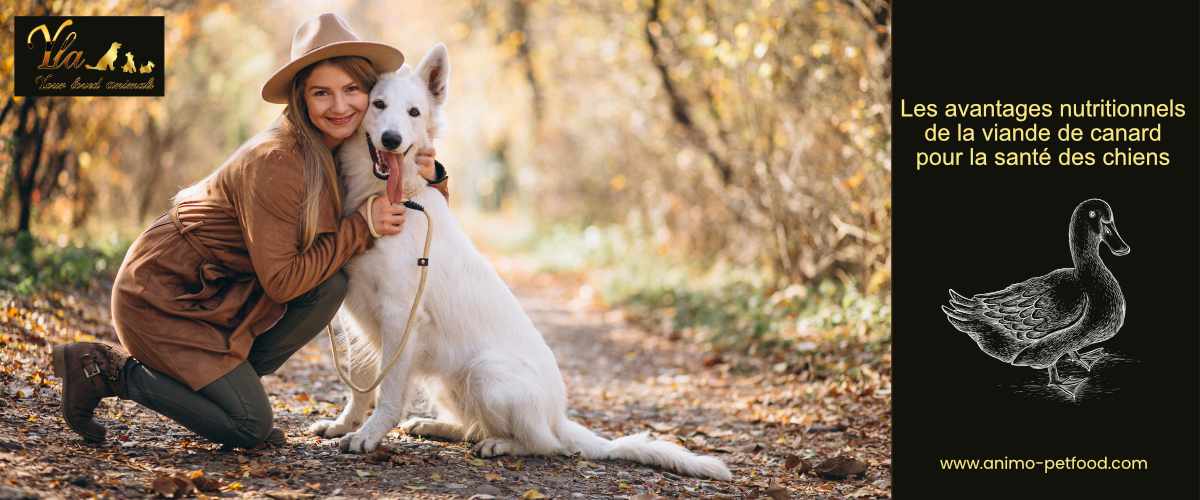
(395, 184)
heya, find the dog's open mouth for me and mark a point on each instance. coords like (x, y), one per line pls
(386, 165)
(383, 163)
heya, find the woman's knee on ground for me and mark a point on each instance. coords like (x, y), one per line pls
(246, 408)
(251, 429)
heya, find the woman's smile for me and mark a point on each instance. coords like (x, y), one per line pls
(341, 121)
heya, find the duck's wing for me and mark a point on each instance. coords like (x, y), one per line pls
(1033, 308)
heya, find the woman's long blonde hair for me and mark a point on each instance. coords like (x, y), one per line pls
(294, 131)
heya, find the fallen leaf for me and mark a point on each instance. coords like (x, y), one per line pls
(794, 462)
(207, 484)
(777, 492)
(531, 494)
(165, 486)
(791, 462)
(492, 476)
(840, 468)
(186, 486)
(173, 486)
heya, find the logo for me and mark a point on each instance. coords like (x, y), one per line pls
(88, 56)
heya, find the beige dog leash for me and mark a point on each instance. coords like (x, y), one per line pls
(423, 263)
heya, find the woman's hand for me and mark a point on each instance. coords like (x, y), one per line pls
(386, 217)
(425, 163)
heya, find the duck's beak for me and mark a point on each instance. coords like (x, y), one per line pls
(1108, 233)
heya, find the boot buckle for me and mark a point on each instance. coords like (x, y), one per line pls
(92, 372)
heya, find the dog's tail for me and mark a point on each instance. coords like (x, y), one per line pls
(640, 448)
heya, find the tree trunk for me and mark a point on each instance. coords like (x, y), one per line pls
(519, 19)
(155, 151)
(21, 137)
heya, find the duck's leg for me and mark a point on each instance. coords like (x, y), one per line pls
(1074, 356)
(1088, 359)
(1069, 385)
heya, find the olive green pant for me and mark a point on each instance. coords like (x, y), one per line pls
(234, 409)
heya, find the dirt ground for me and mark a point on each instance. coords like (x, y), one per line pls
(776, 425)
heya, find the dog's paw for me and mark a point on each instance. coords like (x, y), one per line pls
(419, 426)
(493, 447)
(358, 442)
(330, 428)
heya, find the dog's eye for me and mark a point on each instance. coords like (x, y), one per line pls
(414, 112)
(380, 104)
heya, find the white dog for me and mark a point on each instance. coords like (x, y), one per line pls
(485, 366)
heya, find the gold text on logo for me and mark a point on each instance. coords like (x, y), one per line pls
(56, 54)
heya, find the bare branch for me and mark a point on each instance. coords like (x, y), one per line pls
(679, 106)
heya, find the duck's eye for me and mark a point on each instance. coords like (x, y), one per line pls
(379, 104)
(1092, 214)
(414, 112)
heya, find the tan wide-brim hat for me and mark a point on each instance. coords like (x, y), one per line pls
(327, 36)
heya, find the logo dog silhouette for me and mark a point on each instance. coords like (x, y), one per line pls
(130, 66)
(108, 59)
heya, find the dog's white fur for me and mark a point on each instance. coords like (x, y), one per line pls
(486, 368)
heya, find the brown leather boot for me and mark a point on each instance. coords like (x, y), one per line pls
(89, 372)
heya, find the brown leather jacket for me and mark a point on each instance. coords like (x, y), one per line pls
(214, 272)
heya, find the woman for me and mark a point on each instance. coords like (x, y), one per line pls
(245, 268)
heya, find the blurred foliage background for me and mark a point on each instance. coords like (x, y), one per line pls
(722, 166)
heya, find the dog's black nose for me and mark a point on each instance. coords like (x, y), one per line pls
(391, 140)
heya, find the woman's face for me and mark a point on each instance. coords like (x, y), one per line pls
(336, 103)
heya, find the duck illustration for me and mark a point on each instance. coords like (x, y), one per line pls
(1036, 322)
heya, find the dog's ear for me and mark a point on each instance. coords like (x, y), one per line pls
(435, 71)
